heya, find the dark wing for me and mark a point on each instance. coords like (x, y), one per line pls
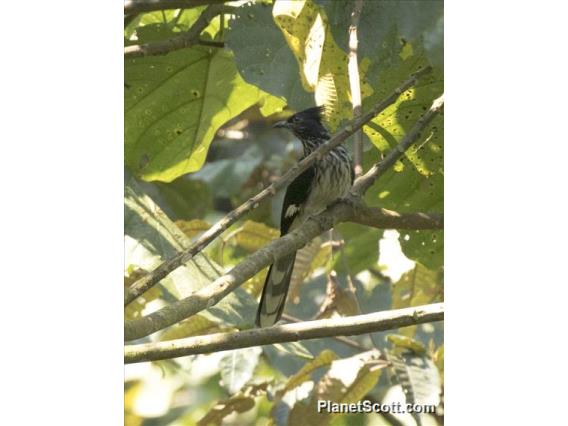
(296, 195)
(278, 279)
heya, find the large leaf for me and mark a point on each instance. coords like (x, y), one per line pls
(227, 176)
(419, 286)
(301, 58)
(263, 56)
(348, 380)
(295, 349)
(360, 250)
(151, 237)
(323, 64)
(182, 199)
(170, 20)
(240, 403)
(384, 23)
(237, 368)
(419, 378)
(415, 183)
(253, 235)
(174, 106)
(326, 357)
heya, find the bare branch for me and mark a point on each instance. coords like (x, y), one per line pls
(355, 86)
(139, 6)
(329, 327)
(187, 39)
(364, 182)
(146, 282)
(210, 295)
(380, 218)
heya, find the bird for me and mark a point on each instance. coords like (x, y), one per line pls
(326, 180)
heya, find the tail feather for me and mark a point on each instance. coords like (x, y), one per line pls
(275, 290)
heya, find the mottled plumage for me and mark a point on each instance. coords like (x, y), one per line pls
(328, 179)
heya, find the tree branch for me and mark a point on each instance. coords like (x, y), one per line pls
(188, 39)
(355, 86)
(330, 327)
(210, 295)
(149, 280)
(364, 183)
(380, 218)
(139, 6)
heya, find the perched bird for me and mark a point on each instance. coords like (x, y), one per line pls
(326, 180)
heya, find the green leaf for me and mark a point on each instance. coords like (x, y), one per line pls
(383, 24)
(418, 377)
(151, 237)
(182, 199)
(239, 403)
(227, 176)
(366, 379)
(420, 286)
(439, 360)
(348, 380)
(324, 358)
(174, 20)
(360, 251)
(265, 61)
(192, 228)
(305, 27)
(296, 349)
(406, 342)
(254, 235)
(237, 368)
(175, 105)
(222, 409)
(415, 183)
(197, 325)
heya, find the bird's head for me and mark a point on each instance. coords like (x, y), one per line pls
(306, 124)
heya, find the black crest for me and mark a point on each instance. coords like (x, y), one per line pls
(310, 114)
(307, 125)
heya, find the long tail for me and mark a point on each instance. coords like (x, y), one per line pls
(275, 290)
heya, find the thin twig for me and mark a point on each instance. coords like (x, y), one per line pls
(187, 39)
(364, 183)
(329, 327)
(163, 270)
(355, 85)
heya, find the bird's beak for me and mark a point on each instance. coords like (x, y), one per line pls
(280, 124)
